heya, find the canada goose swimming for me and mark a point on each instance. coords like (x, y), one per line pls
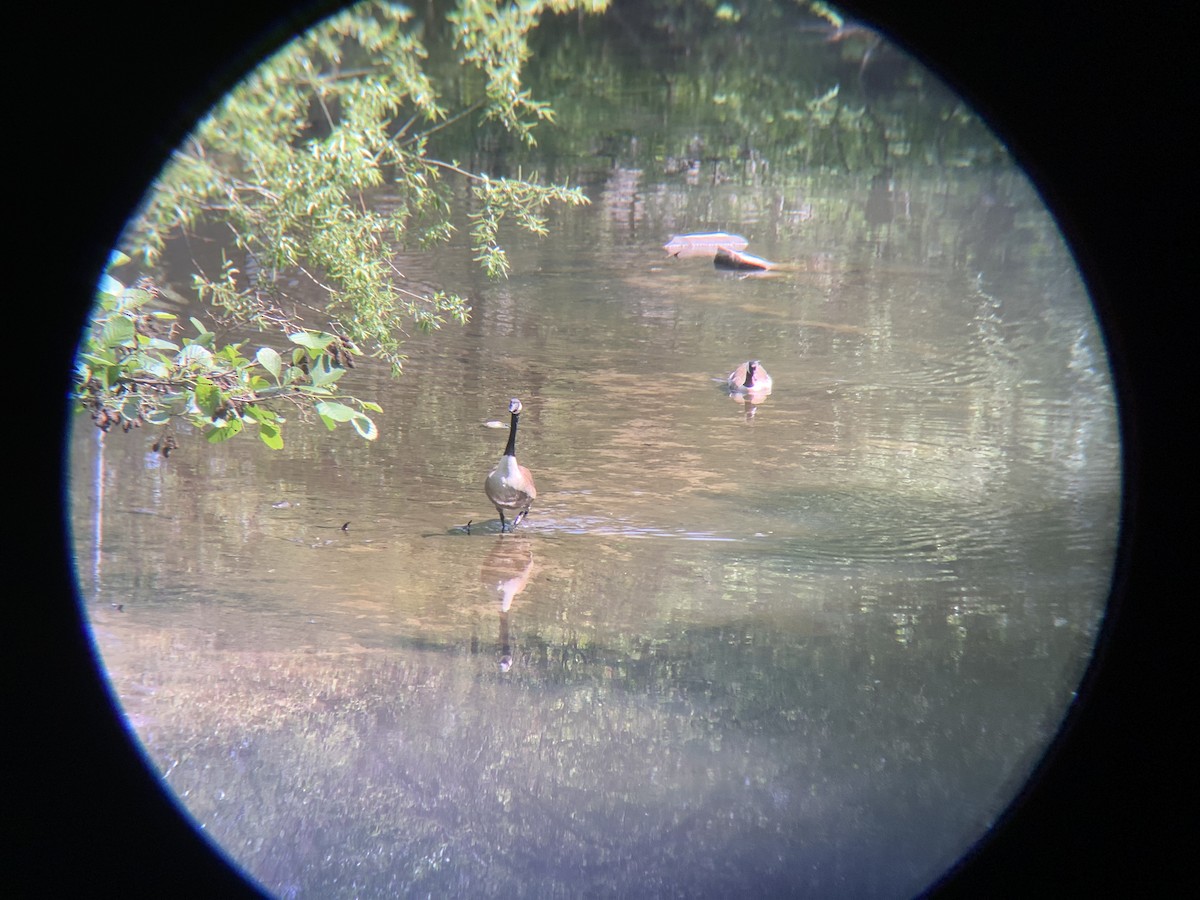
(509, 485)
(749, 378)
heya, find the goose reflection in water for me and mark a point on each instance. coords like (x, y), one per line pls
(749, 401)
(506, 571)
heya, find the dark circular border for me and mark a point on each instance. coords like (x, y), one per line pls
(1091, 101)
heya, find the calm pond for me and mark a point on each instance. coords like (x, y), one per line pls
(809, 646)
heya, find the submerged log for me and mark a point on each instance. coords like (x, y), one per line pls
(703, 244)
(734, 259)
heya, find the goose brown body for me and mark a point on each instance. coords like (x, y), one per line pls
(510, 485)
(749, 377)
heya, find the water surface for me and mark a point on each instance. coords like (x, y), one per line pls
(812, 645)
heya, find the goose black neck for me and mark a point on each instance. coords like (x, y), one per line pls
(749, 382)
(511, 448)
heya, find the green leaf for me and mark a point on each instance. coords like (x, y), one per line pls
(270, 435)
(157, 368)
(323, 374)
(133, 299)
(230, 352)
(310, 340)
(131, 408)
(116, 331)
(159, 344)
(365, 427)
(270, 360)
(224, 432)
(110, 286)
(99, 357)
(338, 412)
(194, 353)
(158, 416)
(260, 414)
(292, 374)
(208, 397)
(373, 407)
(204, 336)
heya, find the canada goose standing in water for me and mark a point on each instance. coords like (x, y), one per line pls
(509, 485)
(749, 377)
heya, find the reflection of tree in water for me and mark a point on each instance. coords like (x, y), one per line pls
(706, 99)
(506, 572)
